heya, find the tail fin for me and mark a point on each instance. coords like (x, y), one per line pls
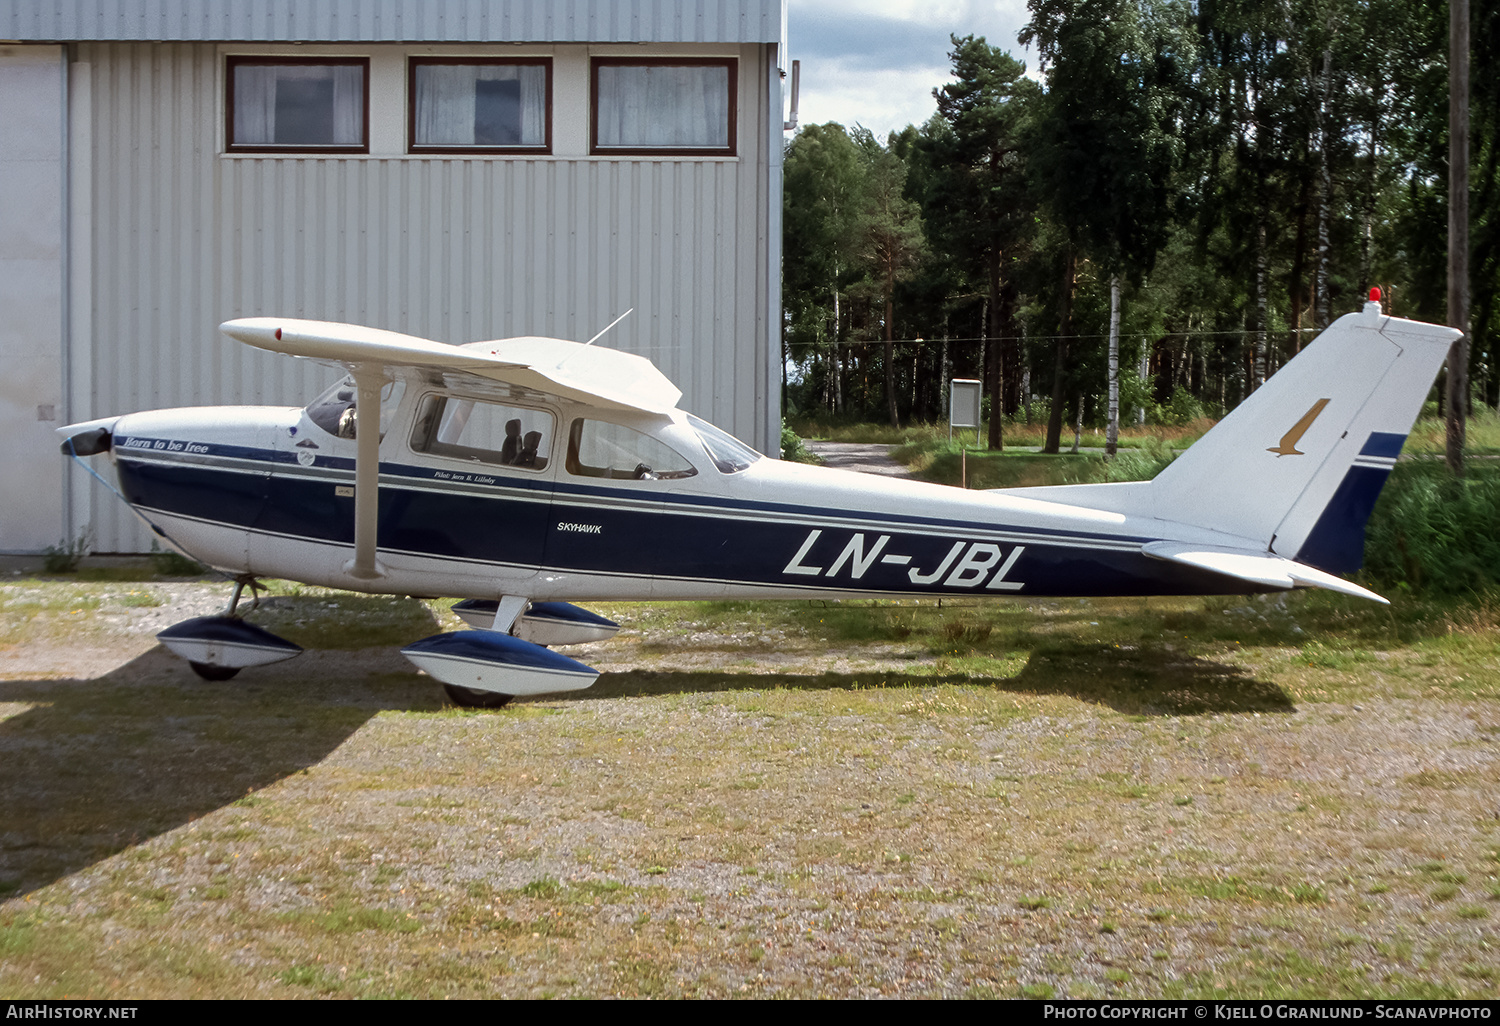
(1297, 466)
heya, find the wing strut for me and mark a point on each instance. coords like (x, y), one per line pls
(369, 379)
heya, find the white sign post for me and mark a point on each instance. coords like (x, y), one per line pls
(963, 404)
(963, 411)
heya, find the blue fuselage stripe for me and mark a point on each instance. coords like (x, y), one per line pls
(682, 537)
(546, 488)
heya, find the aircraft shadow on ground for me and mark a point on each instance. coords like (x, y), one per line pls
(96, 766)
(1146, 681)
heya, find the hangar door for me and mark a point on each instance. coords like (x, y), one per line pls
(31, 296)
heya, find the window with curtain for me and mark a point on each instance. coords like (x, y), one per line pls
(664, 106)
(297, 104)
(480, 106)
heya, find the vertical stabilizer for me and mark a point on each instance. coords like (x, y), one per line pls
(1295, 469)
(1298, 465)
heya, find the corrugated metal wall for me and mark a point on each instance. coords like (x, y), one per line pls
(33, 320)
(451, 249)
(598, 21)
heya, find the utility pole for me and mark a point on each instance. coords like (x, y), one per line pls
(1112, 429)
(1458, 229)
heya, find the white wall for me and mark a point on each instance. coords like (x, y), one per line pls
(31, 295)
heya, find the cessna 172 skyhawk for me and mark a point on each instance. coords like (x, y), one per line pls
(528, 473)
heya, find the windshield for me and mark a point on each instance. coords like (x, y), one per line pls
(333, 411)
(729, 454)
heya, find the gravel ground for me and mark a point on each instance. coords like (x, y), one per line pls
(750, 809)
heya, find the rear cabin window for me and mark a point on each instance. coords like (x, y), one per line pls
(600, 449)
(483, 432)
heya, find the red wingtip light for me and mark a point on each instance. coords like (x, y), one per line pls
(278, 330)
(1375, 294)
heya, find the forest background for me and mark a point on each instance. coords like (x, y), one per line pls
(1225, 177)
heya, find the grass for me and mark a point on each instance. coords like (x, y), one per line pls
(932, 455)
(1432, 533)
(1429, 436)
(1014, 433)
(1125, 798)
(324, 618)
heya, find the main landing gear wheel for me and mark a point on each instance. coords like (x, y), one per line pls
(474, 698)
(208, 671)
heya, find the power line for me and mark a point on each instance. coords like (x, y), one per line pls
(1053, 338)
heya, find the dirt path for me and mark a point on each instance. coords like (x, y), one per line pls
(864, 457)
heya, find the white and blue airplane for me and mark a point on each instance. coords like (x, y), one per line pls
(525, 474)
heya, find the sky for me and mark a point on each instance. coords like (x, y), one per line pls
(876, 62)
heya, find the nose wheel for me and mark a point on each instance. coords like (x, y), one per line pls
(473, 698)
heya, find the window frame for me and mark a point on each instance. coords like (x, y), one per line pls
(233, 61)
(731, 66)
(413, 147)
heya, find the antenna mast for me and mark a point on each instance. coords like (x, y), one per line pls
(611, 324)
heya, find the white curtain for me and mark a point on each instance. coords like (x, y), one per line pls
(450, 105)
(256, 88)
(348, 105)
(663, 106)
(254, 104)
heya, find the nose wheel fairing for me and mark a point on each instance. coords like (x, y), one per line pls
(213, 645)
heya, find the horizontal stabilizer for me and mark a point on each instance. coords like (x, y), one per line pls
(1263, 568)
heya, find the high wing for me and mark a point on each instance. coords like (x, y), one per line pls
(600, 377)
(606, 378)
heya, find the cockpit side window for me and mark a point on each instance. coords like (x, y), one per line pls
(597, 448)
(483, 432)
(334, 410)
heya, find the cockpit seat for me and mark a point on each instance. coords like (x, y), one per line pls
(510, 452)
(529, 446)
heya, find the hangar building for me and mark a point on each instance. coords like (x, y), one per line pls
(453, 169)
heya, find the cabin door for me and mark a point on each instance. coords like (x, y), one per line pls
(480, 493)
